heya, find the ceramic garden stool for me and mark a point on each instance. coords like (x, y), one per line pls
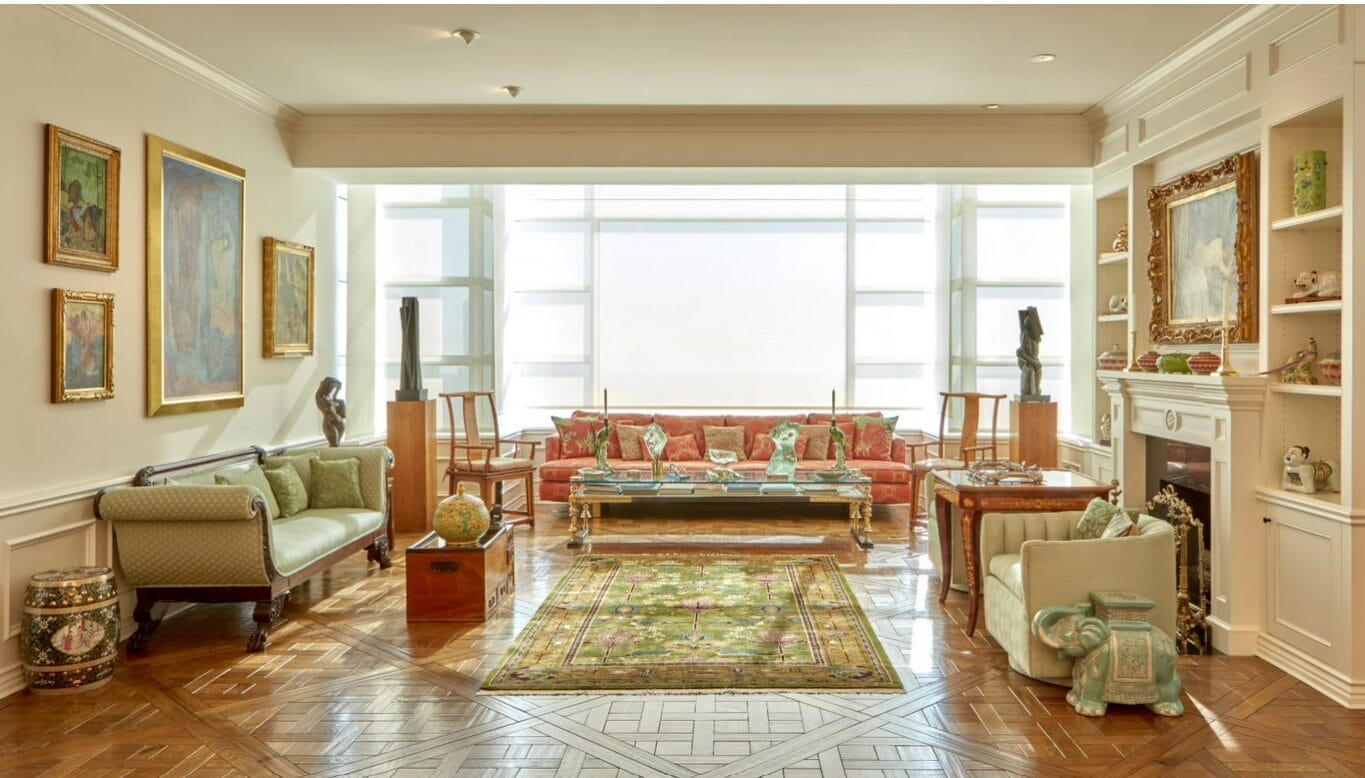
(70, 630)
(1120, 657)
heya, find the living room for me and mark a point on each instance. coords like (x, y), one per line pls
(400, 389)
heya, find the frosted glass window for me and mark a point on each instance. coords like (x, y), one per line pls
(894, 256)
(424, 243)
(1023, 193)
(905, 389)
(882, 201)
(548, 327)
(488, 263)
(721, 202)
(997, 320)
(442, 321)
(709, 314)
(544, 256)
(893, 328)
(1004, 379)
(1023, 244)
(549, 201)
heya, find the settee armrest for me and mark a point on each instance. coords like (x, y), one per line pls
(1065, 572)
(180, 503)
(899, 450)
(552, 448)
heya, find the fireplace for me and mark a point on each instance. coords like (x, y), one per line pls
(1187, 470)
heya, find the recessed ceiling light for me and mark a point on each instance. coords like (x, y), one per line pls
(1042, 58)
(468, 36)
(512, 90)
(991, 106)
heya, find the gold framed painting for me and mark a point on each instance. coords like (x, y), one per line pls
(288, 327)
(1203, 261)
(195, 272)
(82, 201)
(82, 346)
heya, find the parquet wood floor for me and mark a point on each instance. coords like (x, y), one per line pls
(347, 687)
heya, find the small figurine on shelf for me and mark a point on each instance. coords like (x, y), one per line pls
(1118, 303)
(1121, 241)
(1308, 476)
(1316, 285)
(1298, 369)
(1330, 368)
(333, 410)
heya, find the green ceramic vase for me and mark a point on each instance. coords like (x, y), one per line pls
(461, 519)
(1174, 363)
(1310, 182)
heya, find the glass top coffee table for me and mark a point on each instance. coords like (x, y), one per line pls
(589, 492)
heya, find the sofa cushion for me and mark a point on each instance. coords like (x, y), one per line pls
(817, 441)
(614, 442)
(336, 484)
(290, 493)
(759, 425)
(725, 439)
(880, 471)
(298, 541)
(302, 464)
(1010, 570)
(872, 437)
(682, 448)
(575, 435)
(252, 476)
(674, 425)
(631, 439)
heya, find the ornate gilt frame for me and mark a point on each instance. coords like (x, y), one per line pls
(157, 405)
(53, 253)
(1239, 171)
(273, 247)
(60, 394)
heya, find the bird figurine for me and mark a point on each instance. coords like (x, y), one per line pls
(1298, 369)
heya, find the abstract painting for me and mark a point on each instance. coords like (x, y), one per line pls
(288, 275)
(82, 201)
(82, 346)
(195, 204)
(1204, 253)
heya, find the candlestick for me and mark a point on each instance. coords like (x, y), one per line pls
(1133, 366)
(1224, 369)
(832, 405)
(604, 403)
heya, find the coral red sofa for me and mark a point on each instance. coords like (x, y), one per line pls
(890, 479)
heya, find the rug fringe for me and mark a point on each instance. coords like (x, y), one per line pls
(676, 692)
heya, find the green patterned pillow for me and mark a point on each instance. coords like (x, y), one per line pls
(302, 464)
(1103, 519)
(252, 476)
(336, 484)
(288, 488)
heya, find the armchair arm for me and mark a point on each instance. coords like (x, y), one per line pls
(532, 444)
(180, 503)
(899, 450)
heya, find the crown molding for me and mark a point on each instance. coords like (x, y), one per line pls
(121, 30)
(1241, 24)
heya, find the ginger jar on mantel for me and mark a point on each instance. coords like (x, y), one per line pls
(461, 519)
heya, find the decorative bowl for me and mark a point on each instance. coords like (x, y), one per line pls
(461, 519)
(1176, 362)
(831, 475)
(1204, 363)
(1147, 362)
(593, 472)
(1330, 367)
(1113, 359)
(722, 456)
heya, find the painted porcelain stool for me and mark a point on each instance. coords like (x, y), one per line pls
(1120, 657)
(70, 630)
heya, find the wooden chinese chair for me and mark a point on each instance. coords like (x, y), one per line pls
(477, 458)
(968, 449)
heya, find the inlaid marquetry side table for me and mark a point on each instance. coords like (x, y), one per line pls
(1061, 490)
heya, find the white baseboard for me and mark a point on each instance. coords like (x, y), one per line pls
(1335, 685)
(12, 680)
(1232, 639)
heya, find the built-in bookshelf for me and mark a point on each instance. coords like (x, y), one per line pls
(1113, 270)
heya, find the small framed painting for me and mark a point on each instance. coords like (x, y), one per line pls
(288, 306)
(82, 201)
(82, 346)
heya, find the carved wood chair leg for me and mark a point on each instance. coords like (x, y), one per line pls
(378, 551)
(147, 618)
(265, 615)
(530, 499)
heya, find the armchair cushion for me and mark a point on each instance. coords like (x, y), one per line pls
(496, 465)
(290, 494)
(336, 484)
(252, 476)
(1009, 569)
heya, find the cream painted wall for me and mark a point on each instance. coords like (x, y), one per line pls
(56, 455)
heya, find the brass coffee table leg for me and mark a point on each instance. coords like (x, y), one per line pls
(580, 516)
(860, 523)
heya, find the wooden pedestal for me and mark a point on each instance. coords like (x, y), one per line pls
(412, 438)
(1033, 433)
(459, 583)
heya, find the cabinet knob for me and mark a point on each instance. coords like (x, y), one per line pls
(1265, 519)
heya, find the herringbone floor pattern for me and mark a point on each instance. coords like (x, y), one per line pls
(349, 687)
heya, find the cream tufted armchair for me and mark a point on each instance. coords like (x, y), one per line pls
(1029, 562)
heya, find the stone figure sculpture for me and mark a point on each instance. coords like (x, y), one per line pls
(783, 461)
(1030, 366)
(333, 410)
(1120, 657)
(410, 372)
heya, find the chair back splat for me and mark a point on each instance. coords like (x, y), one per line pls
(479, 458)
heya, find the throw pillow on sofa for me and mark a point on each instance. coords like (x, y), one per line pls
(575, 435)
(336, 484)
(288, 488)
(632, 441)
(764, 447)
(817, 441)
(682, 448)
(850, 431)
(872, 437)
(725, 439)
(252, 476)
(301, 463)
(1103, 519)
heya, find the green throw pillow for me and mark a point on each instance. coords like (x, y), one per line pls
(336, 484)
(288, 488)
(252, 476)
(1103, 519)
(301, 464)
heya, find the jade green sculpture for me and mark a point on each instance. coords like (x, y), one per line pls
(1176, 362)
(840, 446)
(783, 461)
(1120, 657)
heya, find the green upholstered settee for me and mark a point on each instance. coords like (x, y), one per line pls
(182, 537)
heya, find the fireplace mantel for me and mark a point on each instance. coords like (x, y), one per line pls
(1224, 413)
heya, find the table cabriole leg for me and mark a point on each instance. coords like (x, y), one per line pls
(943, 517)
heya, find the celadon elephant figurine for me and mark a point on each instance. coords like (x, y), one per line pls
(1120, 657)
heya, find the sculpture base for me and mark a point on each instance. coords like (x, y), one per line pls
(410, 395)
(1033, 398)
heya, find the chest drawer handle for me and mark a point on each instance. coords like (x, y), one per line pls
(444, 568)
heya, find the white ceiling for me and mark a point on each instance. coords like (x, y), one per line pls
(930, 57)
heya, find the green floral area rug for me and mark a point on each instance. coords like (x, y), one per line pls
(666, 622)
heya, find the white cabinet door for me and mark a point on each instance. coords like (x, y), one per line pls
(1304, 597)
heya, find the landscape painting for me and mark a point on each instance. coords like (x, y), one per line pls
(194, 280)
(1203, 234)
(288, 306)
(82, 201)
(82, 346)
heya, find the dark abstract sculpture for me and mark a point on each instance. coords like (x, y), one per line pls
(1030, 366)
(410, 373)
(333, 410)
